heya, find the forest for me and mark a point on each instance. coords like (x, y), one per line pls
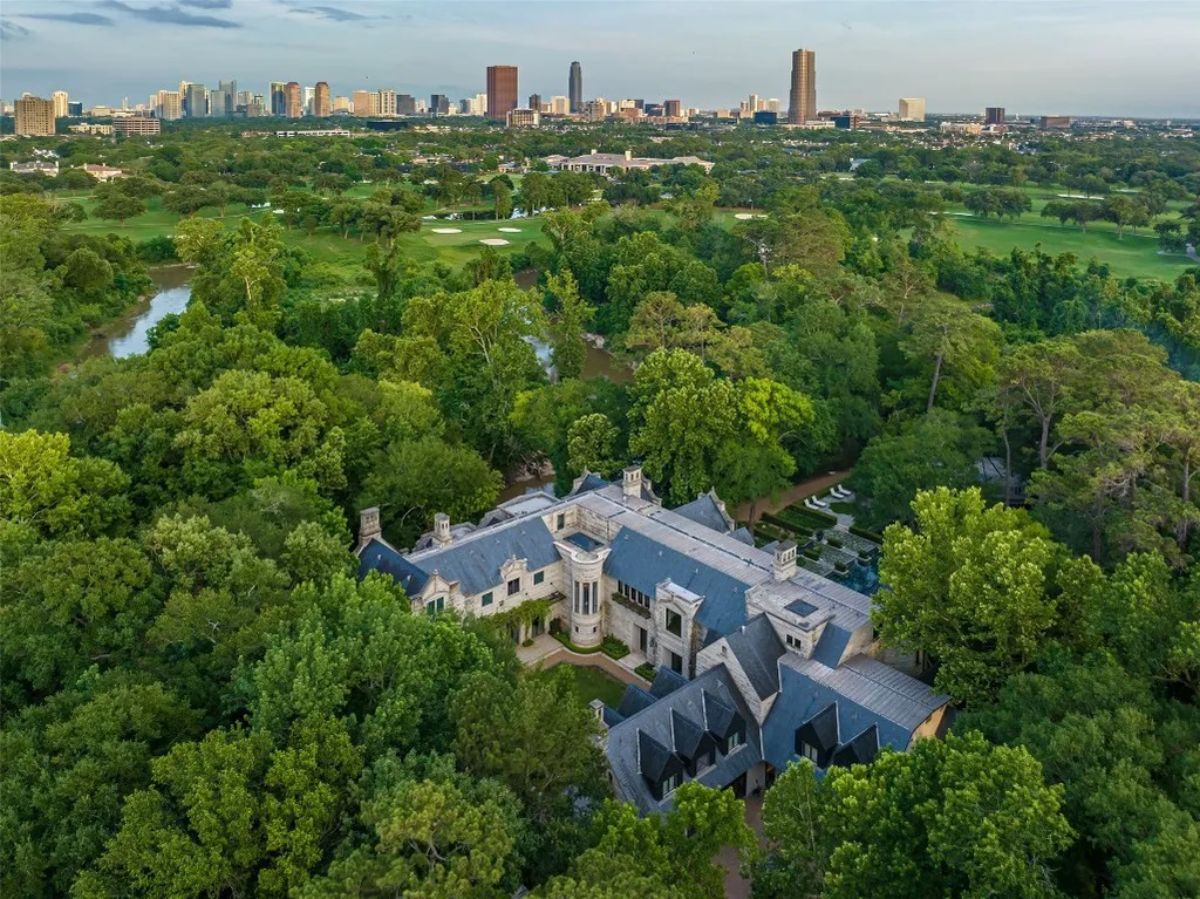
(200, 698)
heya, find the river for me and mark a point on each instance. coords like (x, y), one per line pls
(130, 335)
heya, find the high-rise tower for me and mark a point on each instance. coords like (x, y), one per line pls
(322, 105)
(501, 91)
(575, 87)
(294, 104)
(802, 104)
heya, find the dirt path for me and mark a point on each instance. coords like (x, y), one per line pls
(817, 484)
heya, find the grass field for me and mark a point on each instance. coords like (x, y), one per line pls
(592, 683)
(326, 244)
(1135, 255)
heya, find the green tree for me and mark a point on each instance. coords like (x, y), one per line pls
(951, 342)
(592, 445)
(119, 206)
(432, 833)
(411, 481)
(567, 327)
(968, 586)
(44, 488)
(658, 856)
(937, 450)
(953, 817)
(542, 714)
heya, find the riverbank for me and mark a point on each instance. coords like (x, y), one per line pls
(128, 333)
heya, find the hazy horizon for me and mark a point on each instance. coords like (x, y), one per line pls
(1077, 58)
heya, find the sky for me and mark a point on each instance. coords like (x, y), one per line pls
(1076, 57)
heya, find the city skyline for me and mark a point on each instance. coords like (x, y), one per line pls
(1030, 58)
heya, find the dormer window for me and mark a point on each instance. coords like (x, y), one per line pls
(734, 740)
(560, 521)
(810, 752)
(514, 586)
(671, 784)
(674, 623)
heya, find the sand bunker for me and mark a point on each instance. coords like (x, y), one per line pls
(510, 230)
(743, 216)
(494, 241)
(446, 230)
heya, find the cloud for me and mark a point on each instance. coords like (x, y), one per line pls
(331, 13)
(79, 18)
(207, 4)
(169, 15)
(11, 31)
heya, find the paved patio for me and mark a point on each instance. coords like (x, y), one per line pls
(546, 652)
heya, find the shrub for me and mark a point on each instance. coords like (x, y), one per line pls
(645, 671)
(814, 554)
(614, 648)
(841, 566)
(835, 542)
(865, 534)
(582, 650)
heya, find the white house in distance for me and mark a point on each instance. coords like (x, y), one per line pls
(760, 661)
(603, 163)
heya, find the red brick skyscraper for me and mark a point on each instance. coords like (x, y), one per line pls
(501, 91)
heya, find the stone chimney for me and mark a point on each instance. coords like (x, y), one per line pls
(785, 560)
(441, 529)
(368, 526)
(631, 482)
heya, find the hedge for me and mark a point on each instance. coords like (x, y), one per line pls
(865, 534)
(645, 671)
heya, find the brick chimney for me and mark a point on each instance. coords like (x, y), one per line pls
(441, 529)
(631, 482)
(368, 526)
(785, 560)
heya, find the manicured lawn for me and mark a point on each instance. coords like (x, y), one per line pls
(1135, 254)
(592, 683)
(326, 244)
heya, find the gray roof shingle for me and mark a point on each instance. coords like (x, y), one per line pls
(704, 510)
(757, 648)
(476, 560)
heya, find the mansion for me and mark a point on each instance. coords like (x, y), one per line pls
(759, 661)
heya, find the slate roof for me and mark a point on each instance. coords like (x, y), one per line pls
(704, 510)
(832, 644)
(591, 481)
(743, 535)
(378, 556)
(666, 681)
(710, 701)
(859, 750)
(867, 692)
(475, 561)
(821, 730)
(642, 563)
(757, 648)
(634, 700)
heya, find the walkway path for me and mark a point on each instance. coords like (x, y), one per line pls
(547, 652)
(814, 486)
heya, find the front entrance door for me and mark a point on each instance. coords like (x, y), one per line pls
(539, 626)
(643, 640)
